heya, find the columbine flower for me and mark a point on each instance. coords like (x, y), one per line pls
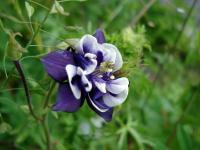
(88, 72)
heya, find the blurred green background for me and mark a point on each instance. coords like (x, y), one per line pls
(160, 43)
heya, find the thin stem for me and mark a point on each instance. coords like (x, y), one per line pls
(4, 60)
(47, 133)
(45, 117)
(185, 22)
(35, 56)
(56, 37)
(20, 14)
(52, 86)
(38, 28)
(31, 26)
(115, 13)
(142, 12)
(39, 4)
(162, 67)
(185, 110)
(14, 89)
(61, 1)
(28, 98)
(16, 20)
(150, 92)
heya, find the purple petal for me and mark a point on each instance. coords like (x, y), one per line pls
(107, 115)
(96, 103)
(55, 63)
(99, 57)
(66, 101)
(99, 36)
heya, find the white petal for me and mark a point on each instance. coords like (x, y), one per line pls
(109, 53)
(90, 68)
(101, 86)
(112, 54)
(118, 85)
(88, 41)
(90, 56)
(112, 101)
(84, 79)
(118, 61)
(71, 72)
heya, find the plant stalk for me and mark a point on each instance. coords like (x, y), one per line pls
(185, 22)
(39, 26)
(28, 98)
(52, 86)
(46, 132)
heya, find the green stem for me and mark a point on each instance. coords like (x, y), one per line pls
(187, 107)
(185, 22)
(23, 79)
(52, 86)
(4, 60)
(35, 56)
(39, 4)
(46, 132)
(142, 12)
(45, 117)
(38, 28)
(150, 92)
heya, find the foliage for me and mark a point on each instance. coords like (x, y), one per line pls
(162, 110)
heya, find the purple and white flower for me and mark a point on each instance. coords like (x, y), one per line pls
(88, 73)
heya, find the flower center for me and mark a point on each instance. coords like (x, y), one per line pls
(104, 71)
(106, 66)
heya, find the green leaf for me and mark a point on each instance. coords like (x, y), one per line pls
(30, 10)
(5, 127)
(66, 43)
(122, 138)
(137, 137)
(182, 138)
(55, 114)
(62, 45)
(57, 8)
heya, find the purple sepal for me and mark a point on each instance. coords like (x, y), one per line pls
(95, 97)
(55, 62)
(66, 101)
(99, 35)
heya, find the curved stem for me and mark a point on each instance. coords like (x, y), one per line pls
(45, 117)
(46, 132)
(49, 94)
(38, 28)
(186, 109)
(142, 12)
(28, 98)
(35, 56)
(185, 22)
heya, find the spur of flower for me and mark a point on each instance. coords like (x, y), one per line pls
(87, 72)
